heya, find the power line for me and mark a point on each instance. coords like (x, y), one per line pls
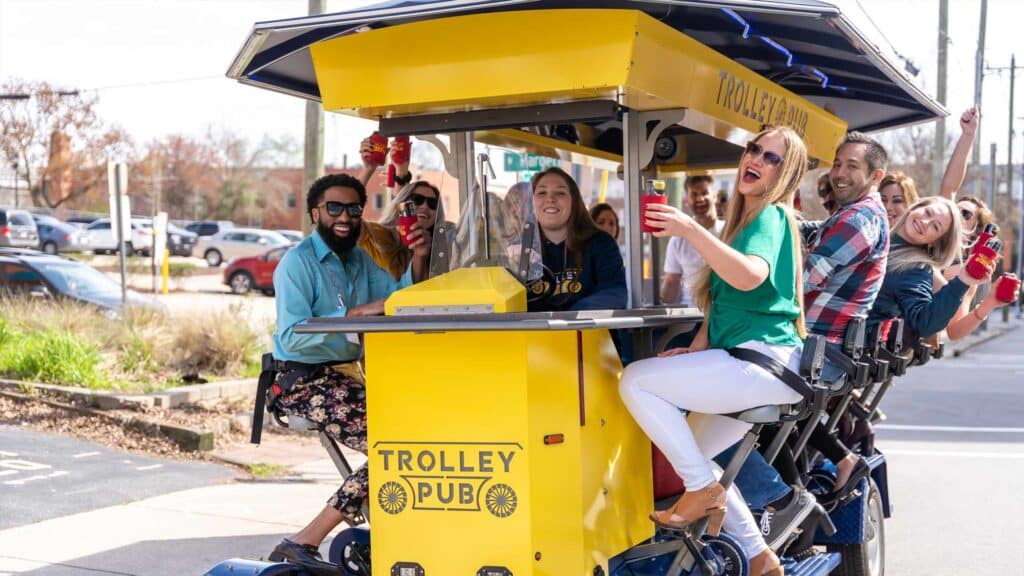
(153, 83)
(886, 38)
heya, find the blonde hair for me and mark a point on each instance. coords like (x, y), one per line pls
(942, 253)
(904, 183)
(780, 193)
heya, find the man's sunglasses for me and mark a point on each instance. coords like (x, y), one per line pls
(755, 150)
(334, 209)
(418, 200)
(967, 214)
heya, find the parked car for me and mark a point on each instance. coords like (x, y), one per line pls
(209, 227)
(103, 239)
(81, 221)
(255, 272)
(237, 243)
(179, 241)
(39, 275)
(18, 229)
(291, 235)
(57, 236)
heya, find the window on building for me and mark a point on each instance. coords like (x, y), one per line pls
(378, 201)
(290, 200)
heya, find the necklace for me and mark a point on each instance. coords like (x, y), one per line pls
(354, 284)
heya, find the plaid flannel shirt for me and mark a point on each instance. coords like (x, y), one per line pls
(845, 267)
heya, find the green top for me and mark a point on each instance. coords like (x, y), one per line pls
(767, 312)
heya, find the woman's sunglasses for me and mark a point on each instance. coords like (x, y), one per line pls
(334, 209)
(967, 214)
(755, 150)
(418, 200)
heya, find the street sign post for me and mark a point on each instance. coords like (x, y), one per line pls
(120, 217)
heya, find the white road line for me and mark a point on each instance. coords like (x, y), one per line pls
(971, 429)
(85, 454)
(7, 454)
(34, 478)
(953, 454)
(7, 473)
(153, 467)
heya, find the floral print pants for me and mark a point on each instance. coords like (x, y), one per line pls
(334, 398)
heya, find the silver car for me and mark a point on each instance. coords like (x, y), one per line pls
(234, 243)
(56, 236)
(18, 229)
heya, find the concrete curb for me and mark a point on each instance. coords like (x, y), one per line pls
(962, 347)
(241, 389)
(186, 438)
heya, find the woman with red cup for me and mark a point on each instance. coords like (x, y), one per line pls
(926, 239)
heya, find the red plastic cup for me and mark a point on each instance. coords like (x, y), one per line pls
(1007, 288)
(391, 175)
(378, 149)
(406, 218)
(983, 258)
(646, 200)
(401, 149)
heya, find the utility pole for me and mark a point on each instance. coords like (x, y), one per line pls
(940, 125)
(1009, 139)
(313, 166)
(979, 68)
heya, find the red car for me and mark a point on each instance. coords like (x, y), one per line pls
(254, 272)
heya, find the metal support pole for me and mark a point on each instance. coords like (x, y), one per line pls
(122, 243)
(633, 137)
(939, 159)
(979, 70)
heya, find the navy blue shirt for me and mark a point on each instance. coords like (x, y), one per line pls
(593, 280)
(908, 294)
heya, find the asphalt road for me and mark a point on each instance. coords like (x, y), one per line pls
(954, 439)
(45, 476)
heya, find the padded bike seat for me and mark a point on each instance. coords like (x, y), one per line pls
(765, 414)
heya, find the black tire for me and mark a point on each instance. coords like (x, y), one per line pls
(241, 282)
(213, 258)
(268, 292)
(866, 558)
(50, 247)
(128, 250)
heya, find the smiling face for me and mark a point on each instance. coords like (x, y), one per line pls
(757, 174)
(851, 177)
(926, 224)
(700, 198)
(339, 232)
(894, 201)
(552, 201)
(422, 197)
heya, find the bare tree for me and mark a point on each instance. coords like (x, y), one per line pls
(59, 142)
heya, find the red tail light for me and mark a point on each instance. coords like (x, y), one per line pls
(5, 231)
(67, 237)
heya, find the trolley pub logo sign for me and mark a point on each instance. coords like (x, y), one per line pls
(743, 97)
(448, 476)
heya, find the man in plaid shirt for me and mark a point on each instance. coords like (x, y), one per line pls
(846, 257)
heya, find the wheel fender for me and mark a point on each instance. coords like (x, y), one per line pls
(237, 566)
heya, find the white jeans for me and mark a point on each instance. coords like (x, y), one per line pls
(706, 384)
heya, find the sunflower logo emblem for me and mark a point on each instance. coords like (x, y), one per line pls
(392, 497)
(501, 500)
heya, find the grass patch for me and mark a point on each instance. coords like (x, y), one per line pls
(265, 470)
(61, 342)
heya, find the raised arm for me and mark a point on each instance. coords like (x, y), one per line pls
(956, 170)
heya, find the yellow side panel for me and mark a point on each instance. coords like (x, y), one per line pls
(460, 474)
(464, 287)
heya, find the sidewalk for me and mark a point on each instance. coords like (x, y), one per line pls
(185, 532)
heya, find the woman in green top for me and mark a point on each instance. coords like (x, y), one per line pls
(753, 298)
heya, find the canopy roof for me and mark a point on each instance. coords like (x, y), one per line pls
(805, 46)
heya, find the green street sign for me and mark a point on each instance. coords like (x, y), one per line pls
(522, 162)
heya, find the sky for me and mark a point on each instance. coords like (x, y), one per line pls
(158, 65)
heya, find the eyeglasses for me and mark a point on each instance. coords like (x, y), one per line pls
(755, 150)
(418, 200)
(334, 209)
(967, 214)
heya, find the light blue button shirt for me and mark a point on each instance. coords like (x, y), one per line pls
(312, 281)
